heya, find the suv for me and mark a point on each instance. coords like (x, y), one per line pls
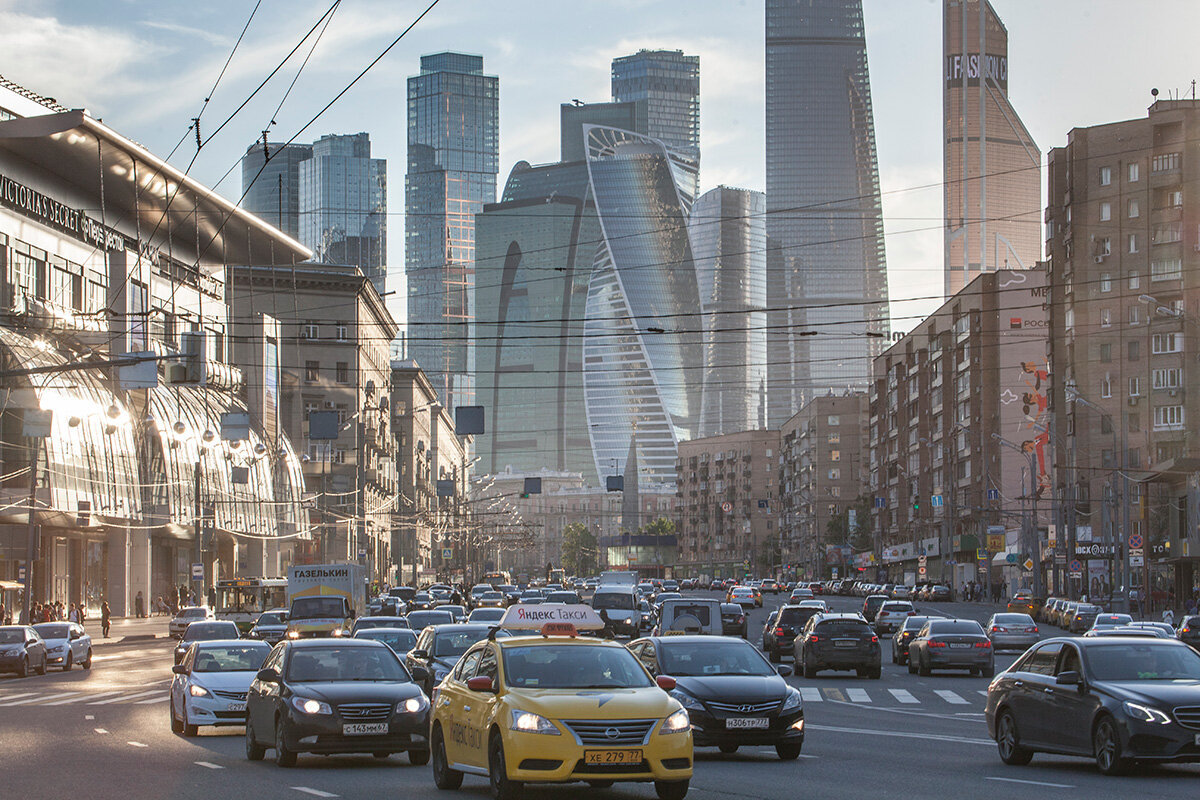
(689, 615)
(891, 615)
(770, 585)
(838, 641)
(871, 606)
(733, 620)
(782, 626)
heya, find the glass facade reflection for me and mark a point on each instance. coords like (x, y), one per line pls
(826, 270)
(668, 82)
(729, 241)
(271, 188)
(643, 346)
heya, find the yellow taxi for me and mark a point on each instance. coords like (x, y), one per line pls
(554, 707)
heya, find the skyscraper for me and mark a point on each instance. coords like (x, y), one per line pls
(453, 159)
(343, 205)
(669, 84)
(729, 238)
(826, 270)
(271, 187)
(991, 164)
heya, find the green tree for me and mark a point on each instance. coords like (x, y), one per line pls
(837, 530)
(659, 527)
(578, 549)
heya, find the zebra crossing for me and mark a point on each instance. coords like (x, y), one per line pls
(131, 695)
(903, 697)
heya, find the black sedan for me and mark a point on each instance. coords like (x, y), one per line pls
(1115, 699)
(420, 620)
(733, 620)
(336, 696)
(439, 647)
(951, 644)
(1189, 631)
(205, 632)
(270, 627)
(734, 697)
(904, 634)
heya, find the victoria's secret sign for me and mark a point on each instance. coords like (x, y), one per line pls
(45, 209)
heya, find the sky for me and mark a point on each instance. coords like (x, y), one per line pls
(146, 69)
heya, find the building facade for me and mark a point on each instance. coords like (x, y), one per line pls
(726, 519)
(729, 238)
(822, 478)
(668, 83)
(991, 165)
(826, 271)
(1124, 266)
(271, 183)
(453, 160)
(959, 462)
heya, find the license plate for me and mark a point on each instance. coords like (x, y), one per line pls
(364, 728)
(632, 757)
(960, 644)
(844, 644)
(237, 706)
(747, 722)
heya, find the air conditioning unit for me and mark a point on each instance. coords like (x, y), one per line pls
(1099, 259)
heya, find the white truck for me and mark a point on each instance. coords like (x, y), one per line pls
(324, 599)
(618, 577)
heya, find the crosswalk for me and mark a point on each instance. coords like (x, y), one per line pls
(859, 695)
(132, 695)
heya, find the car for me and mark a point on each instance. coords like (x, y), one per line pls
(743, 596)
(440, 595)
(770, 585)
(336, 696)
(716, 585)
(733, 697)
(782, 626)
(620, 607)
(1064, 612)
(872, 604)
(366, 623)
(457, 611)
(421, 601)
(1025, 603)
(1012, 631)
(1189, 631)
(558, 707)
(902, 592)
(890, 615)
(186, 616)
(951, 644)
(494, 599)
(270, 627)
(687, 583)
(401, 640)
(511, 593)
(695, 615)
(1082, 616)
(388, 606)
(405, 593)
(1113, 699)
(940, 593)
(531, 597)
(664, 595)
(209, 685)
(487, 616)
(838, 642)
(904, 634)
(566, 597)
(1144, 633)
(670, 586)
(1111, 621)
(67, 644)
(801, 593)
(22, 650)
(420, 620)
(438, 649)
(205, 631)
(733, 620)
(1048, 610)
(1163, 628)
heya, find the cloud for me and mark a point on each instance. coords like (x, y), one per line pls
(187, 30)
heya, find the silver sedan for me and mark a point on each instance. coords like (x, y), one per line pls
(1010, 631)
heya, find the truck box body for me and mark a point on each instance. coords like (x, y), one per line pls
(318, 587)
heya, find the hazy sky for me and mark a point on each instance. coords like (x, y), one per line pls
(146, 67)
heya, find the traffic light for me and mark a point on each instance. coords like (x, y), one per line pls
(916, 504)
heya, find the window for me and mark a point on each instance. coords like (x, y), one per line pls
(1105, 211)
(1134, 280)
(1133, 315)
(1135, 350)
(310, 330)
(835, 455)
(834, 438)
(1105, 317)
(834, 473)
(1133, 421)
(1175, 198)
(1105, 353)
(1168, 378)
(1168, 418)
(1166, 269)
(1106, 386)
(1105, 176)
(1105, 280)
(1135, 387)
(833, 420)
(1167, 233)
(343, 372)
(1133, 171)
(312, 371)
(1166, 343)
(341, 333)
(1133, 208)
(1166, 162)
(1133, 247)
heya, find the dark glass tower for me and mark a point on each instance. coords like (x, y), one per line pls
(827, 275)
(453, 156)
(273, 191)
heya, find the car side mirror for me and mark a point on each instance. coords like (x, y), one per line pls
(419, 673)
(1069, 678)
(665, 682)
(267, 675)
(179, 669)
(419, 653)
(784, 671)
(481, 683)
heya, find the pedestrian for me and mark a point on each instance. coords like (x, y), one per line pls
(3, 614)
(105, 618)
(73, 614)
(1169, 616)
(139, 605)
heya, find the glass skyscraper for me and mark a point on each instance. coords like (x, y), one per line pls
(343, 205)
(669, 83)
(826, 270)
(729, 240)
(271, 187)
(453, 160)
(992, 166)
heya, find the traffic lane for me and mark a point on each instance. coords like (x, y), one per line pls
(131, 665)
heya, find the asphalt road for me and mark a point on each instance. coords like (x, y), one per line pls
(104, 734)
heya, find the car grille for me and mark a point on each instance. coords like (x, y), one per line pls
(596, 731)
(241, 696)
(744, 708)
(1188, 716)
(365, 712)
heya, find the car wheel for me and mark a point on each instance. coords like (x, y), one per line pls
(973, 671)
(600, 784)
(727, 748)
(87, 662)
(254, 750)
(41, 670)
(24, 670)
(912, 667)
(671, 790)
(176, 724)
(924, 669)
(1008, 742)
(1107, 745)
(188, 729)
(418, 758)
(443, 776)
(788, 751)
(989, 671)
(502, 787)
(68, 662)
(283, 756)
(810, 670)
(876, 674)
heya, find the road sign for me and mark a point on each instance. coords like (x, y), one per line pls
(21, 574)
(981, 554)
(727, 506)
(993, 494)
(1028, 564)
(1135, 540)
(1076, 565)
(1095, 550)
(995, 542)
(197, 572)
(447, 553)
(922, 559)
(921, 571)
(881, 502)
(1137, 561)
(1011, 558)
(936, 501)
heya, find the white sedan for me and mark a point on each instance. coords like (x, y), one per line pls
(67, 644)
(210, 684)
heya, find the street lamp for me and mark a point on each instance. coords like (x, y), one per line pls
(1032, 544)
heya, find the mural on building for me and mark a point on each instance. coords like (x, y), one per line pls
(1036, 426)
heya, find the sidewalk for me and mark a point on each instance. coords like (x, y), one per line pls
(126, 630)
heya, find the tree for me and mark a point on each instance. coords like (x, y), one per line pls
(660, 527)
(837, 530)
(578, 549)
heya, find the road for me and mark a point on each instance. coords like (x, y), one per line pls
(104, 734)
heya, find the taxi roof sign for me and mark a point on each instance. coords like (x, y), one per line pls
(521, 617)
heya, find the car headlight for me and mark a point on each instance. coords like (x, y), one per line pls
(338, 632)
(792, 701)
(686, 700)
(195, 690)
(307, 705)
(412, 705)
(528, 722)
(293, 634)
(1146, 713)
(677, 722)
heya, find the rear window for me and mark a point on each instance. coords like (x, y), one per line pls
(896, 607)
(700, 612)
(1082, 609)
(957, 626)
(842, 627)
(915, 623)
(796, 616)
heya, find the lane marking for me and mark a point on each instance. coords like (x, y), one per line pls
(88, 716)
(4, 700)
(903, 735)
(314, 792)
(810, 694)
(951, 697)
(124, 697)
(136, 744)
(858, 695)
(207, 765)
(903, 695)
(100, 730)
(81, 698)
(162, 699)
(982, 692)
(1033, 783)
(40, 698)
(834, 694)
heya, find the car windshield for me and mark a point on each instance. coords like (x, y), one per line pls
(12, 636)
(894, 607)
(382, 622)
(1143, 662)
(231, 658)
(691, 659)
(401, 641)
(1012, 619)
(53, 630)
(487, 615)
(334, 663)
(455, 643)
(270, 619)
(617, 601)
(187, 613)
(563, 597)
(842, 627)
(797, 616)
(571, 666)
(961, 626)
(420, 619)
(317, 607)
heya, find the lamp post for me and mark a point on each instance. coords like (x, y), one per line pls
(1032, 545)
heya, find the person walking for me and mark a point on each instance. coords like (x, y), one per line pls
(105, 618)
(1168, 616)
(139, 605)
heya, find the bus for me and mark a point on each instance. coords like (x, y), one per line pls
(497, 578)
(241, 600)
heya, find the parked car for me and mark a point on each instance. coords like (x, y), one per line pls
(733, 620)
(22, 650)
(67, 644)
(1082, 617)
(210, 683)
(951, 644)
(840, 642)
(1012, 631)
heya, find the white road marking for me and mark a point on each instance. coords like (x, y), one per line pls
(903, 695)
(951, 697)
(124, 697)
(88, 716)
(136, 744)
(810, 694)
(982, 692)
(4, 700)
(903, 735)
(858, 695)
(208, 765)
(82, 697)
(1033, 783)
(39, 698)
(99, 730)
(162, 699)
(314, 792)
